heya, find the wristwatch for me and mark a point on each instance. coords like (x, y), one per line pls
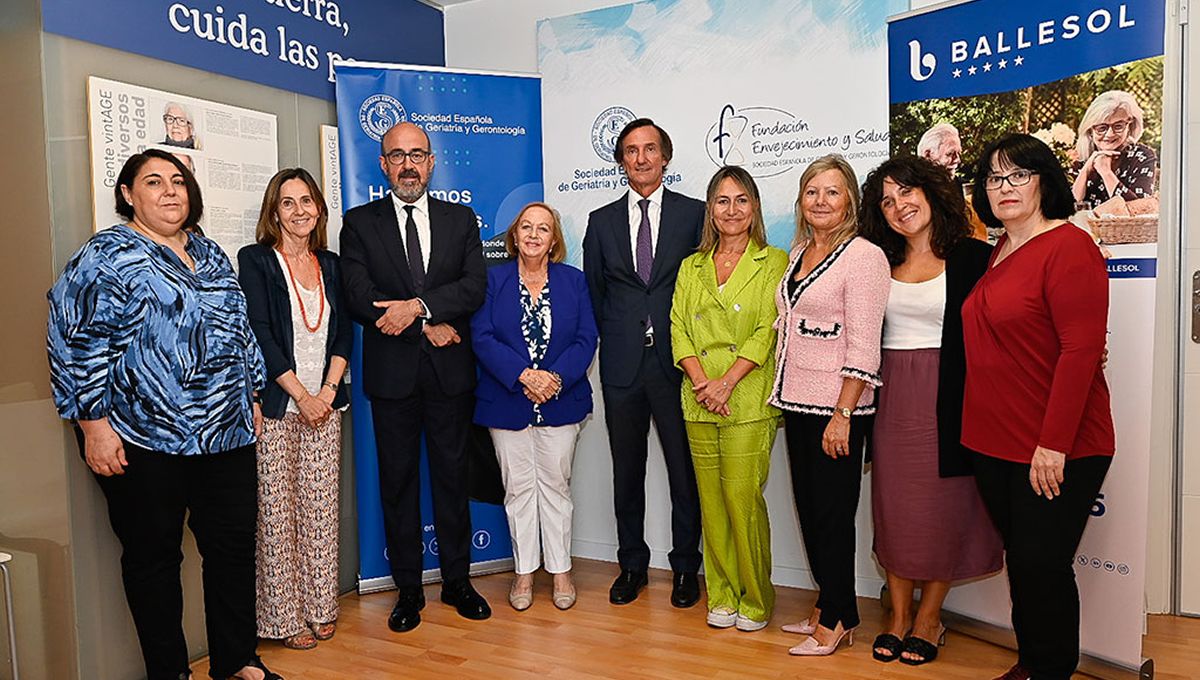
(842, 411)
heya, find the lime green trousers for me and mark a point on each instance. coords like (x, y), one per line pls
(732, 462)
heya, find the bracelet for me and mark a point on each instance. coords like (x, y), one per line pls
(331, 385)
(558, 379)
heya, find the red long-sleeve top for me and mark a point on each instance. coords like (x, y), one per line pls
(1034, 329)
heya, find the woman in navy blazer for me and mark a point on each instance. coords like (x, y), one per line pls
(293, 294)
(534, 338)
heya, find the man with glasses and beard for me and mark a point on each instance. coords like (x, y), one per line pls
(414, 273)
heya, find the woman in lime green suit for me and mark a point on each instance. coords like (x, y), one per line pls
(723, 338)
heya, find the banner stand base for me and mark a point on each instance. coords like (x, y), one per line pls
(381, 583)
(1003, 637)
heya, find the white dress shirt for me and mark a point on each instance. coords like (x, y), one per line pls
(424, 236)
(635, 219)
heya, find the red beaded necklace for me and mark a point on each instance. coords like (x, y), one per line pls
(296, 287)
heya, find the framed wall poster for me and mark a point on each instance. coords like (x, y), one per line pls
(232, 151)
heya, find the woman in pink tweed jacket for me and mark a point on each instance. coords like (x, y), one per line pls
(831, 305)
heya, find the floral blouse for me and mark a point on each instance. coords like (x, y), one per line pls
(1135, 167)
(535, 327)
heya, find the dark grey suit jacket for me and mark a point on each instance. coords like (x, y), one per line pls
(620, 300)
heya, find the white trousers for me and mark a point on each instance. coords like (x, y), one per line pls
(535, 464)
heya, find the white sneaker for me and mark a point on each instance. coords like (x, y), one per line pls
(749, 625)
(722, 617)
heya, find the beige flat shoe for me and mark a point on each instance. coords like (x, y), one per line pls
(564, 599)
(520, 601)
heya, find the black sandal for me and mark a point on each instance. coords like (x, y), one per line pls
(256, 662)
(926, 650)
(889, 642)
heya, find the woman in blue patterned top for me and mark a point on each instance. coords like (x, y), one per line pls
(152, 356)
(535, 337)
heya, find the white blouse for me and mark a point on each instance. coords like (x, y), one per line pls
(913, 319)
(308, 347)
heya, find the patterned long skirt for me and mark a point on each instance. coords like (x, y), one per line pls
(297, 524)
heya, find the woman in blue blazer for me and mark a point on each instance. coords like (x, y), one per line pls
(534, 338)
(293, 294)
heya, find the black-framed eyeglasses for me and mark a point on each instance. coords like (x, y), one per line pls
(397, 156)
(1119, 127)
(168, 120)
(1017, 178)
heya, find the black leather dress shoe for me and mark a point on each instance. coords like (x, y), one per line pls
(625, 589)
(406, 615)
(685, 589)
(462, 596)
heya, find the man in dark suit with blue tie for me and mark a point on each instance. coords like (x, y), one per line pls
(631, 256)
(413, 272)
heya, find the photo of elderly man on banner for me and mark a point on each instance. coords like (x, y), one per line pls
(1059, 107)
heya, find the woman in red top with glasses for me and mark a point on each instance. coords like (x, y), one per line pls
(1036, 405)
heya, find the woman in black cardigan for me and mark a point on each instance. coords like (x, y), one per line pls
(293, 293)
(931, 527)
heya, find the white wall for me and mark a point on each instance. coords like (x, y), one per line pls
(1189, 533)
(501, 35)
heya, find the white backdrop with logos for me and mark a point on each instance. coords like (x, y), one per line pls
(756, 86)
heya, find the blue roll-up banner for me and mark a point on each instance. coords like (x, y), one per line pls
(1056, 70)
(486, 132)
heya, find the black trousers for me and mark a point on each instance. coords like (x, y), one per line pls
(218, 493)
(627, 412)
(827, 491)
(445, 419)
(1040, 540)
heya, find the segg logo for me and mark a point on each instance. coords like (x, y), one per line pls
(916, 60)
(607, 127)
(379, 113)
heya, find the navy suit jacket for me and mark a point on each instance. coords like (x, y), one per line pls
(619, 297)
(503, 354)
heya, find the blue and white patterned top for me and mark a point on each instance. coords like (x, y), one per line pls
(165, 353)
(535, 327)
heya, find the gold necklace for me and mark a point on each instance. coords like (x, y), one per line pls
(732, 255)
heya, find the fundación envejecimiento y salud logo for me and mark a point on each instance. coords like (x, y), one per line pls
(379, 113)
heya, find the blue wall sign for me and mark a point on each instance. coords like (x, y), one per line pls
(289, 44)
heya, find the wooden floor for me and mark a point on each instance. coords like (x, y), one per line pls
(646, 639)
